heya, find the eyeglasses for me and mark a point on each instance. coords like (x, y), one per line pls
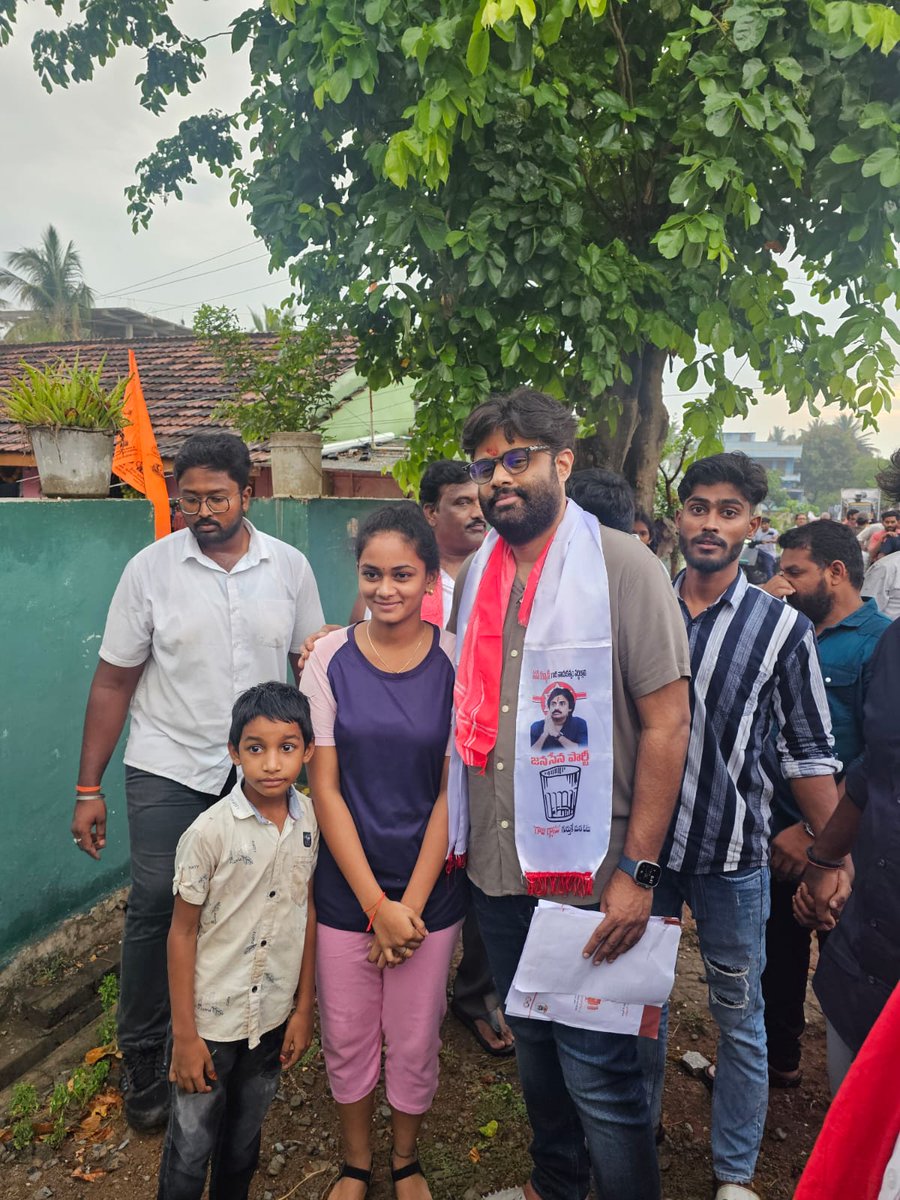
(514, 462)
(190, 506)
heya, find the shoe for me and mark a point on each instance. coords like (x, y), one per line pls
(506, 1194)
(469, 1021)
(784, 1079)
(735, 1191)
(145, 1089)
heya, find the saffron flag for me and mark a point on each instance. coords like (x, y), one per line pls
(136, 460)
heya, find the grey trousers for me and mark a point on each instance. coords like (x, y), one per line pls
(159, 811)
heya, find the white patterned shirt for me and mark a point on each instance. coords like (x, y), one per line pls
(252, 883)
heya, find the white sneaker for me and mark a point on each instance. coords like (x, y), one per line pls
(507, 1194)
(735, 1191)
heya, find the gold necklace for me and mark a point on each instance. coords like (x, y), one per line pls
(391, 670)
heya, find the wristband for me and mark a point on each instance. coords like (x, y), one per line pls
(86, 791)
(89, 796)
(375, 907)
(824, 864)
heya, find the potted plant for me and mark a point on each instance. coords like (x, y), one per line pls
(72, 420)
(283, 392)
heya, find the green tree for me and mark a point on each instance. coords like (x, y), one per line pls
(856, 429)
(271, 320)
(831, 460)
(778, 496)
(573, 195)
(49, 280)
(276, 389)
(778, 434)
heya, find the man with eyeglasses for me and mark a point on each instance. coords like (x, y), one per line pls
(553, 599)
(197, 617)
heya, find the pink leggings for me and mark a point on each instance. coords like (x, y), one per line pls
(359, 1005)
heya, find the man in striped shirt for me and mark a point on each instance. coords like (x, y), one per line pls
(753, 666)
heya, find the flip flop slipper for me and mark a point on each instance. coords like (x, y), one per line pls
(469, 1022)
(784, 1079)
(708, 1077)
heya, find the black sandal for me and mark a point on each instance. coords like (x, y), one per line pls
(413, 1168)
(348, 1172)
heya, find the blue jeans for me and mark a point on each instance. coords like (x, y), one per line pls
(731, 910)
(159, 811)
(223, 1125)
(584, 1090)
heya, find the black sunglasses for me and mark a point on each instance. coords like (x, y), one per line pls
(514, 461)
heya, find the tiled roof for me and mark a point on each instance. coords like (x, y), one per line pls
(181, 381)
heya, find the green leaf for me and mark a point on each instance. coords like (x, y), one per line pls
(375, 10)
(846, 152)
(879, 161)
(338, 86)
(755, 71)
(669, 241)
(410, 40)
(551, 25)
(683, 188)
(395, 162)
(749, 29)
(688, 377)
(527, 11)
(788, 68)
(478, 52)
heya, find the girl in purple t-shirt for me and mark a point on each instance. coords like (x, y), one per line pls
(388, 916)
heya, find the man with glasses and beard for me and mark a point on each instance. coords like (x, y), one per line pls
(753, 665)
(821, 575)
(554, 598)
(197, 618)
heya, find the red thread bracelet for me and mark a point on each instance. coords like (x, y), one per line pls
(375, 908)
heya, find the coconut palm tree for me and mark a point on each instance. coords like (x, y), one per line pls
(49, 280)
(778, 434)
(272, 320)
(854, 427)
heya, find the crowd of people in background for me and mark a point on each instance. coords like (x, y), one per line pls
(736, 753)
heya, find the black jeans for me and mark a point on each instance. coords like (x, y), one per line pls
(584, 1090)
(159, 811)
(473, 985)
(223, 1125)
(784, 979)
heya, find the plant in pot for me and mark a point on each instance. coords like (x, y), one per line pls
(283, 392)
(72, 419)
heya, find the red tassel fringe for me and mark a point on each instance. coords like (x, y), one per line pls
(563, 883)
(455, 862)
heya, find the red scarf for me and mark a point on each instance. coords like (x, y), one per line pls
(863, 1123)
(477, 689)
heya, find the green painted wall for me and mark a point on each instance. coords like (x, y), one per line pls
(392, 410)
(59, 565)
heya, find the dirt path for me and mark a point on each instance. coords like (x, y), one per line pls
(462, 1163)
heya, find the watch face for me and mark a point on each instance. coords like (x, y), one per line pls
(648, 874)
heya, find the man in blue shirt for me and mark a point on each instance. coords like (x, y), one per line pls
(821, 575)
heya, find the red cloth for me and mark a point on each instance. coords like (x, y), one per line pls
(862, 1126)
(433, 606)
(477, 691)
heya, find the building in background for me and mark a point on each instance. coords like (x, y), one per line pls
(783, 457)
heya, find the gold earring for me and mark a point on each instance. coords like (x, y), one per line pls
(430, 591)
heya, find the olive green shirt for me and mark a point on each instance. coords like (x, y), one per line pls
(650, 650)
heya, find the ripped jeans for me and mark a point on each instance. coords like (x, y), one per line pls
(731, 911)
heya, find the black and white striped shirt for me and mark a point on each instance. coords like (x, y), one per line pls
(754, 666)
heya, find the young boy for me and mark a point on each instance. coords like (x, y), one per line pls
(243, 932)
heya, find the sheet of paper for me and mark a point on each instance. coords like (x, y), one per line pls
(585, 1012)
(552, 960)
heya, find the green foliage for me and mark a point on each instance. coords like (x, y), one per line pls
(64, 396)
(109, 999)
(568, 194)
(832, 459)
(22, 1107)
(778, 496)
(280, 388)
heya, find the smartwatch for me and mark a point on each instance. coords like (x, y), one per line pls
(644, 873)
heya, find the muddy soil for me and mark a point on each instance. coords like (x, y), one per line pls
(300, 1148)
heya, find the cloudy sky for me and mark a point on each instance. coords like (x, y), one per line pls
(68, 157)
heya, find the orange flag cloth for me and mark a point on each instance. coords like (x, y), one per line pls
(136, 460)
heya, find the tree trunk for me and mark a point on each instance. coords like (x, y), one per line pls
(633, 442)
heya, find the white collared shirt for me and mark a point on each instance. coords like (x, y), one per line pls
(252, 883)
(206, 635)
